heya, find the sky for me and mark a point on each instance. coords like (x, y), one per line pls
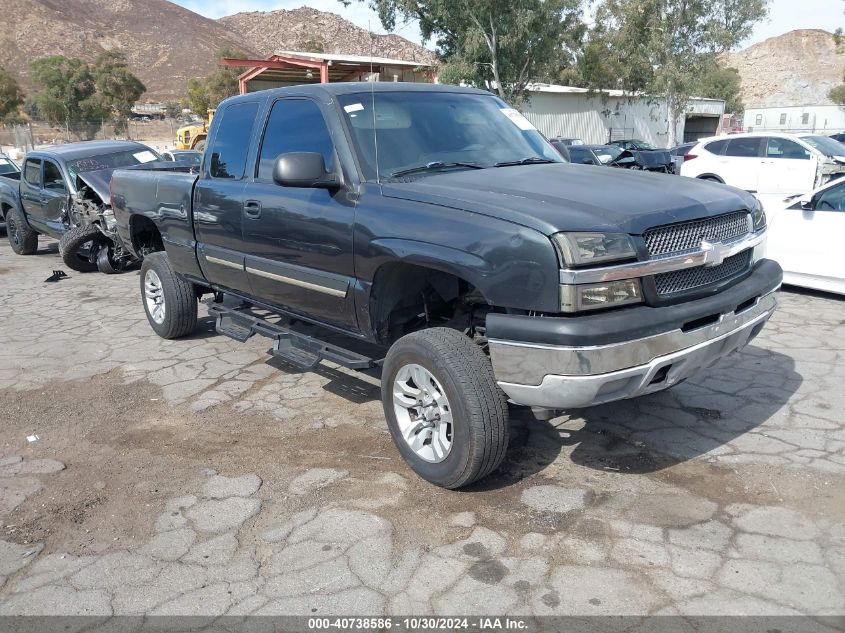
(784, 15)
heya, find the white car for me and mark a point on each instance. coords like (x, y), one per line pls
(769, 163)
(805, 236)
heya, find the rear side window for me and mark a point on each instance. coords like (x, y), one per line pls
(716, 147)
(294, 125)
(32, 172)
(231, 143)
(743, 147)
(784, 148)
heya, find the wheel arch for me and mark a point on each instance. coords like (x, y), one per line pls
(709, 176)
(407, 292)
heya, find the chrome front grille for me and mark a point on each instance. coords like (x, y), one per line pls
(692, 278)
(687, 236)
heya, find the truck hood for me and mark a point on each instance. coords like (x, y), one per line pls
(567, 197)
(98, 182)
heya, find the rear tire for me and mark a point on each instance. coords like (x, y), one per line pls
(22, 238)
(466, 410)
(71, 247)
(169, 301)
(200, 146)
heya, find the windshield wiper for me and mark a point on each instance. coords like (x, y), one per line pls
(433, 166)
(531, 160)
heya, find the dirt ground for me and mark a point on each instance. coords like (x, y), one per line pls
(202, 477)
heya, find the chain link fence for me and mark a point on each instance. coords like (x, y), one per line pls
(21, 138)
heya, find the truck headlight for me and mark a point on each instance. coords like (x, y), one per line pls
(758, 216)
(575, 298)
(584, 249)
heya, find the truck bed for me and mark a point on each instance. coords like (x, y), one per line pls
(162, 195)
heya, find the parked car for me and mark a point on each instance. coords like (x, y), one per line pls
(679, 155)
(567, 141)
(771, 163)
(189, 156)
(63, 192)
(605, 153)
(805, 234)
(838, 137)
(657, 160)
(432, 231)
(8, 167)
(583, 155)
(633, 143)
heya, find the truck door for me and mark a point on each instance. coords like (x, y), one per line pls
(787, 167)
(218, 199)
(299, 240)
(30, 191)
(54, 196)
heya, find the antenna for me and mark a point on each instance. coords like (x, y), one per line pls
(373, 101)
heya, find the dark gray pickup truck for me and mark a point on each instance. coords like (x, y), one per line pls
(63, 192)
(436, 228)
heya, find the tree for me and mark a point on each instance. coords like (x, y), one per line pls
(662, 47)
(117, 88)
(11, 97)
(172, 109)
(67, 94)
(837, 94)
(206, 93)
(718, 82)
(508, 44)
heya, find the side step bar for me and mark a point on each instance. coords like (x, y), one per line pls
(300, 350)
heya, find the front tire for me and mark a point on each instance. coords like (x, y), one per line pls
(73, 251)
(447, 415)
(170, 302)
(22, 238)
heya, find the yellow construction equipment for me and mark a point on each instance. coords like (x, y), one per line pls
(193, 136)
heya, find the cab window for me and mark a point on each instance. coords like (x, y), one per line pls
(32, 172)
(294, 125)
(53, 179)
(231, 142)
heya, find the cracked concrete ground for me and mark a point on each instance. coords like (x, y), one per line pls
(195, 477)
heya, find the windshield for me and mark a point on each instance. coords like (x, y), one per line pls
(827, 146)
(192, 158)
(439, 130)
(125, 158)
(7, 166)
(607, 153)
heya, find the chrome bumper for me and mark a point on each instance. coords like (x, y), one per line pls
(558, 377)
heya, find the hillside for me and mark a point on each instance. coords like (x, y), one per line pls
(796, 68)
(309, 29)
(164, 43)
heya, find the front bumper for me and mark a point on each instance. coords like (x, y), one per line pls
(588, 360)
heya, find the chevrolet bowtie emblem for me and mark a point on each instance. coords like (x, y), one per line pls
(714, 253)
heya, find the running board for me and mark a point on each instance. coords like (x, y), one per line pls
(300, 350)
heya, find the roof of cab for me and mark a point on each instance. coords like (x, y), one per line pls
(71, 151)
(353, 87)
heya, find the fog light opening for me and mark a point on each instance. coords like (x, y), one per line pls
(660, 376)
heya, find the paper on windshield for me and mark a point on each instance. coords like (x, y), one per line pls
(518, 120)
(145, 157)
(3, 161)
(353, 107)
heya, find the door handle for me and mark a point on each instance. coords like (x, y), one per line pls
(252, 209)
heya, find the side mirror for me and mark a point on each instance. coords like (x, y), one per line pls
(807, 204)
(303, 169)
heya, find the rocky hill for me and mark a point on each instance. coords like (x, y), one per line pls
(166, 44)
(309, 29)
(796, 68)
